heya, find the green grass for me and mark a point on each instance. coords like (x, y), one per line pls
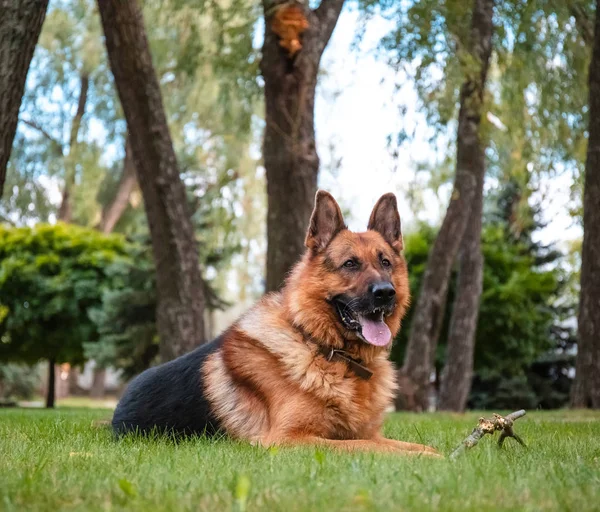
(59, 460)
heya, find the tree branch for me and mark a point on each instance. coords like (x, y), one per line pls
(65, 212)
(504, 424)
(85, 83)
(328, 14)
(115, 209)
(37, 127)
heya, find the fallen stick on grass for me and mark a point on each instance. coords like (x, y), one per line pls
(489, 426)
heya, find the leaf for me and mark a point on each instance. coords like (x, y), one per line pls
(127, 487)
(320, 457)
(81, 454)
(241, 491)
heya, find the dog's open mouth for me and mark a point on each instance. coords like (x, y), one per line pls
(369, 326)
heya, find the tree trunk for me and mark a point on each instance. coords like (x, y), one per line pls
(65, 212)
(115, 209)
(426, 324)
(73, 384)
(180, 310)
(98, 381)
(51, 391)
(295, 38)
(586, 388)
(458, 370)
(20, 27)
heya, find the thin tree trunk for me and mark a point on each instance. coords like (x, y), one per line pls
(51, 391)
(115, 209)
(295, 38)
(98, 381)
(20, 26)
(586, 388)
(458, 370)
(65, 212)
(180, 310)
(73, 384)
(426, 324)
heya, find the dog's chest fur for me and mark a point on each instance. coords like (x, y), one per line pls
(266, 383)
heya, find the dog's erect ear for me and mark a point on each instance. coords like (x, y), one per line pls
(326, 221)
(385, 219)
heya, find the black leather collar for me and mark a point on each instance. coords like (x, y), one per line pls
(330, 353)
(356, 365)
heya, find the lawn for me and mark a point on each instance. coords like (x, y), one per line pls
(62, 460)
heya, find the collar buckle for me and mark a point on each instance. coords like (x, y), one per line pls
(329, 356)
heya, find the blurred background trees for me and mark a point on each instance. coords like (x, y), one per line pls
(170, 160)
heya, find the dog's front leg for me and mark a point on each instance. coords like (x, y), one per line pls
(379, 444)
(409, 447)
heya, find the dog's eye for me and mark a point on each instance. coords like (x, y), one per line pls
(350, 264)
(385, 262)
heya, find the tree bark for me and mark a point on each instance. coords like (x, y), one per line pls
(458, 370)
(20, 26)
(51, 391)
(586, 388)
(65, 212)
(180, 310)
(290, 64)
(115, 209)
(426, 324)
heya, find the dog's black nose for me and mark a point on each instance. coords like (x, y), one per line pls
(383, 293)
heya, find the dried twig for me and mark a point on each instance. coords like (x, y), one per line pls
(488, 426)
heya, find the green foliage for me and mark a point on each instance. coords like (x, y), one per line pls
(126, 319)
(70, 46)
(417, 244)
(208, 70)
(516, 312)
(18, 381)
(536, 86)
(503, 393)
(203, 52)
(50, 278)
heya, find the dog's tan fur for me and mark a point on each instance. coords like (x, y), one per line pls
(270, 383)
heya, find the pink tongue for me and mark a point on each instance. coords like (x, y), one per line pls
(375, 332)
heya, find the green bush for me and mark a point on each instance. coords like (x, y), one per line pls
(51, 276)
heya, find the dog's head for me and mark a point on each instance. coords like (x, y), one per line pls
(351, 287)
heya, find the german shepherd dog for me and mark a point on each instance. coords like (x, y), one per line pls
(306, 365)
